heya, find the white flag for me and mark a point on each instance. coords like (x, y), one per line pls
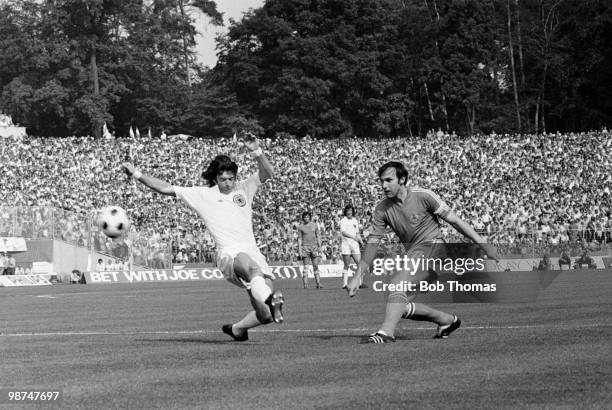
(131, 132)
(149, 133)
(137, 132)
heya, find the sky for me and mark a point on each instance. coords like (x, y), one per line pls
(206, 40)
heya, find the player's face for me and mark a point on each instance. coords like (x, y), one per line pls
(306, 218)
(349, 213)
(226, 182)
(389, 183)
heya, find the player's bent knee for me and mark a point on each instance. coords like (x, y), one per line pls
(398, 297)
(264, 316)
(244, 266)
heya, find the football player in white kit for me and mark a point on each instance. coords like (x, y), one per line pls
(225, 205)
(350, 243)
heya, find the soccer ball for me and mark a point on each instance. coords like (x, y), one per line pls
(113, 221)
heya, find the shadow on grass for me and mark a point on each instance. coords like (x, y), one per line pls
(196, 340)
(358, 338)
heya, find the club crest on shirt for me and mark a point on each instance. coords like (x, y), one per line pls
(239, 200)
(414, 218)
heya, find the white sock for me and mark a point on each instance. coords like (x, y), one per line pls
(248, 322)
(259, 289)
(345, 277)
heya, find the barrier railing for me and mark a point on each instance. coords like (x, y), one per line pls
(525, 245)
(39, 222)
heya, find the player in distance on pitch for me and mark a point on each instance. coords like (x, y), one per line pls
(350, 242)
(413, 214)
(225, 205)
(309, 247)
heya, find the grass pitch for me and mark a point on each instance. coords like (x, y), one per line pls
(160, 346)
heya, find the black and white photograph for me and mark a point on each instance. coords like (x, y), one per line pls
(305, 204)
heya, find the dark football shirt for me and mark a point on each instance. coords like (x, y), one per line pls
(308, 233)
(414, 220)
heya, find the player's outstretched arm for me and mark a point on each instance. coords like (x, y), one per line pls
(364, 265)
(155, 184)
(466, 230)
(266, 170)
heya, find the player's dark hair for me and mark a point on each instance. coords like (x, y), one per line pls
(306, 213)
(346, 208)
(400, 170)
(219, 165)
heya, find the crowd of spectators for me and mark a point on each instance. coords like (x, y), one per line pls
(519, 190)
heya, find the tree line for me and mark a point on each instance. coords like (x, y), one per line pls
(323, 68)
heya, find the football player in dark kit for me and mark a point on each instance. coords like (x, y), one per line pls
(309, 245)
(414, 214)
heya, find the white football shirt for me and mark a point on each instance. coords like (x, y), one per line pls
(350, 226)
(228, 217)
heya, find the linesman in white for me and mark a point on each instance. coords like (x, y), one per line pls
(225, 205)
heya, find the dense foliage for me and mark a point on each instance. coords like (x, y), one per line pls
(320, 67)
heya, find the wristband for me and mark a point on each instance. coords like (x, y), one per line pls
(137, 174)
(257, 153)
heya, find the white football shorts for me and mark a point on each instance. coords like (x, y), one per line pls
(350, 247)
(225, 263)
